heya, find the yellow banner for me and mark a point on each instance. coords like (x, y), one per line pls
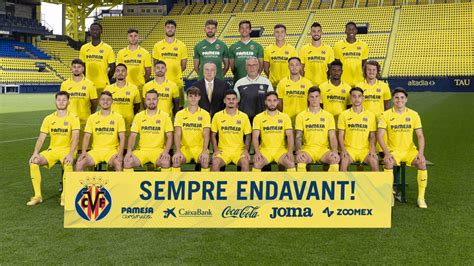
(228, 199)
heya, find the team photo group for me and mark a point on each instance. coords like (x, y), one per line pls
(321, 104)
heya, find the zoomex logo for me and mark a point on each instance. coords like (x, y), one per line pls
(93, 201)
(291, 212)
(245, 212)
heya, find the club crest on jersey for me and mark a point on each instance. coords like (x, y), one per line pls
(302, 86)
(365, 119)
(139, 55)
(251, 47)
(199, 118)
(378, 90)
(101, 51)
(158, 121)
(218, 46)
(127, 93)
(280, 121)
(93, 201)
(66, 123)
(322, 119)
(323, 52)
(343, 91)
(238, 122)
(286, 52)
(407, 119)
(260, 87)
(359, 48)
(84, 88)
(176, 48)
(167, 89)
(112, 122)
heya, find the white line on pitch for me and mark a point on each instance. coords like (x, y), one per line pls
(16, 140)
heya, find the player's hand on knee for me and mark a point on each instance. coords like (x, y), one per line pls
(257, 157)
(165, 156)
(388, 159)
(68, 160)
(301, 157)
(177, 158)
(245, 154)
(34, 158)
(290, 156)
(216, 153)
(345, 155)
(420, 158)
(204, 158)
(334, 157)
(119, 158)
(83, 156)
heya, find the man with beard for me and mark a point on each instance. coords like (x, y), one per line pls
(98, 57)
(63, 129)
(126, 96)
(168, 94)
(137, 59)
(213, 50)
(276, 133)
(315, 57)
(107, 129)
(175, 54)
(156, 137)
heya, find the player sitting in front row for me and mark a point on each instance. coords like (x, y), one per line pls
(272, 126)
(357, 128)
(107, 129)
(63, 128)
(232, 126)
(192, 132)
(154, 126)
(399, 123)
(315, 134)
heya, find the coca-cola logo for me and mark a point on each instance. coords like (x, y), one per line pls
(245, 212)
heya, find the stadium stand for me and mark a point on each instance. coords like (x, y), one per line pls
(22, 25)
(20, 49)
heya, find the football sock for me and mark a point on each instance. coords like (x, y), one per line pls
(301, 167)
(422, 179)
(35, 174)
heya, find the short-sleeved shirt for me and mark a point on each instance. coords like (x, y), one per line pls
(105, 129)
(60, 129)
(351, 56)
(251, 94)
(124, 100)
(152, 129)
(80, 95)
(316, 60)
(278, 59)
(239, 52)
(167, 91)
(272, 129)
(136, 62)
(172, 54)
(315, 128)
(357, 127)
(335, 99)
(97, 60)
(231, 130)
(214, 52)
(294, 95)
(400, 128)
(375, 96)
(192, 126)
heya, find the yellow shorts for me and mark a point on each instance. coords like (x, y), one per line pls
(148, 155)
(357, 155)
(230, 156)
(54, 155)
(102, 155)
(273, 155)
(191, 153)
(315, 153)
(406, 156)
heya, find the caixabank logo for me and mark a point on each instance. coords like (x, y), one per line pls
(93, 201)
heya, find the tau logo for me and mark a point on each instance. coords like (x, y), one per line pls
(462, 82)
(93, 201)
(291, 212)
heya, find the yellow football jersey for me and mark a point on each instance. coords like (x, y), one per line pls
(315, 128)
(172, 54)
(335, 98)
(399, 128)
(192, 126)
(97, 60)
(357, 127)
(167, 91)
(152, 129)
(124, 99)
(375, 95)
(351, 56)
(272, 129)
(278, 59)
(105, 130)
(60, 129)
(80, 96)
(316, 60)
(231, 130)
(136, 62)
(294, 95)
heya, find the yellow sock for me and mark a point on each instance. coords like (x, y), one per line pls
(292, 169)
(166, 169)
(333, 168)
(128, 170)
(205, 169)
(35, 174)
(67, 168)
(388, 170)
(256, 170)
(176, 169)
(422, 179)
(301, 167)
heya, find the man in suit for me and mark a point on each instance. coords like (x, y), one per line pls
(212, 90)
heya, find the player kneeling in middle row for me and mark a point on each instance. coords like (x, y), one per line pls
(272, 126)
(153, 126)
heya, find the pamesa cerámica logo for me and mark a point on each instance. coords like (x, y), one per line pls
(93, 201)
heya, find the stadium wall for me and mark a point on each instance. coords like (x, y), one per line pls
(437, 84)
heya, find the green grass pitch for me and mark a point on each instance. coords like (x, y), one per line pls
(441, 234)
